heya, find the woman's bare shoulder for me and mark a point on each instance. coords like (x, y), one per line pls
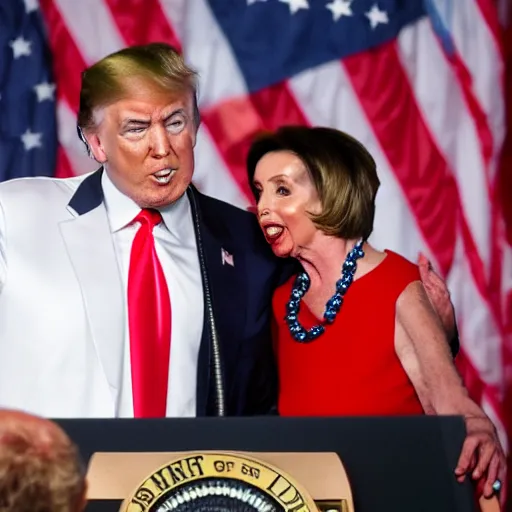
(372, 259)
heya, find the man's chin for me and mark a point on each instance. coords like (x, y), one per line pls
(163, 197)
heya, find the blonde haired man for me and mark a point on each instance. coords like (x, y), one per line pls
(127, 292)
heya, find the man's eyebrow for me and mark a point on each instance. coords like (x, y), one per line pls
(135, 121)
(173, 113)
(145, 122)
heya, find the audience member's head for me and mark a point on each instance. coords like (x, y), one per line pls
(40, 467)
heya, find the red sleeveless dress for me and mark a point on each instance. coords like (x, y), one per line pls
(352, 368)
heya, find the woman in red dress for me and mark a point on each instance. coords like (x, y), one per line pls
(355, 331)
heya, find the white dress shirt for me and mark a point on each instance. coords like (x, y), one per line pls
(176, 248)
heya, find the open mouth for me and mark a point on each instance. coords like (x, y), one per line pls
(273, 232)
(164, 176)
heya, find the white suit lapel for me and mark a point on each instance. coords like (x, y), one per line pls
(91, 250)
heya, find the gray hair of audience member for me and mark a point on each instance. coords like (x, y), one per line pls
(40, 467)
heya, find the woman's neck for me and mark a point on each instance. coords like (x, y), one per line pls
(324, 259)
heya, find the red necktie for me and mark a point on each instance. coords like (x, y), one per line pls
(149, 316)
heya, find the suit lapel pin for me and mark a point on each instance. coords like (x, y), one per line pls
(227, 259)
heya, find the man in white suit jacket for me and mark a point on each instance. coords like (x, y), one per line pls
(65, 248)
(65, 254)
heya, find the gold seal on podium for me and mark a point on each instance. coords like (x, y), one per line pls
(219, 482)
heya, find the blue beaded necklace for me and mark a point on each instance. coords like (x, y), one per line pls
(333, 305)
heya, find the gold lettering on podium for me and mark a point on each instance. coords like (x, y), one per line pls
(221, 478)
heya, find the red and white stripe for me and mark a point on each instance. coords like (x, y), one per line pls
(434, 123)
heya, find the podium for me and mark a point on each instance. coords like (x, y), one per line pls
(399, 464)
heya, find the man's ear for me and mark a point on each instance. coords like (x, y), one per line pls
(95, 146)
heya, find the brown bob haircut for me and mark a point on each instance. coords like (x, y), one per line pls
(342, 170)
(108, 80)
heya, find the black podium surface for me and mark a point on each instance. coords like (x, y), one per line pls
(393, 464)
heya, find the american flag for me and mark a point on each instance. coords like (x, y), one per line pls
(419, 82)
(28, 125)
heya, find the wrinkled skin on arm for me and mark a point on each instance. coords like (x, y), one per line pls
(422, 347)
(439, 297)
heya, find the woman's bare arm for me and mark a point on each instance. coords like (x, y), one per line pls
(421, 345)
